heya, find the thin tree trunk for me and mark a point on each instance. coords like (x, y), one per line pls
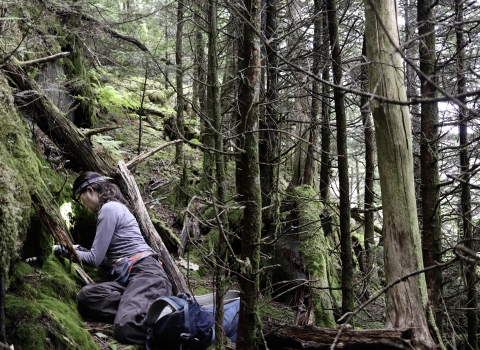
(3, 338)
(214, 110)
(309, 171)
(369, 224)
(344, 186)
(406, 302)
(466, 202)
(430, 189)
(179, 83)
(268, 146)
(249, 329)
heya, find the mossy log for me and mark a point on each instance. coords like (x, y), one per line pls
(54, 123)
(126, 180)
(316, 338)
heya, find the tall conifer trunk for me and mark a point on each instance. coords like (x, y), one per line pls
(179, 83)
(465, 200)
(341, 122)
(430, 190)
(249, 329)
(369, 167)
(268, 146)
(406, 301)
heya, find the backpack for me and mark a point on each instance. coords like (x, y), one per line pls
(186, 322)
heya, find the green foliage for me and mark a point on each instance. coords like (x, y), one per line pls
(110, 145)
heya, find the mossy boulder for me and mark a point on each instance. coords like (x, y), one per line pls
(41, 309)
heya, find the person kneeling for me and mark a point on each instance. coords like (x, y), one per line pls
(136, 278)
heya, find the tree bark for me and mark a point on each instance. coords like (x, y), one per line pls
(368, 199)
(430, 189)
(344, 186)
(465, 199)
(179, 81)
(406, 302)
(215, 113)
(325, 158)
(269, 143)
(316, 338)
(249, 328)
(310, 162)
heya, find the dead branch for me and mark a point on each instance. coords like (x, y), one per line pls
(43, 59)
(105, 28)
(91, 132)
(86, 278)
(147, 154)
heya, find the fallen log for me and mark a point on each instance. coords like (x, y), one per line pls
(127, 183)
(316, 338)
(53, 122)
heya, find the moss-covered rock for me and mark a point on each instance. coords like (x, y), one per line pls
(41, 311)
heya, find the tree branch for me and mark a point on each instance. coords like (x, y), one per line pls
(43, 59)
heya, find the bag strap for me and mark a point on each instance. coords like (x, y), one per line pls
(208, 300)
(155, 310)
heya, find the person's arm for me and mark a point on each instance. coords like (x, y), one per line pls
(106, 224)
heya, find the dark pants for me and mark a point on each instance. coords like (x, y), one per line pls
(126, 305)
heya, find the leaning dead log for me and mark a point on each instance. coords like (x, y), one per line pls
(127, 182)
(316, 338)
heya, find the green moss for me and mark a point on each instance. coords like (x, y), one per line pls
(277, 312)
(235, 218)
(314, 247)
(22, 269)
(41, 309)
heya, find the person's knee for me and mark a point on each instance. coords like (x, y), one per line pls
(130, 331)
(83, 295)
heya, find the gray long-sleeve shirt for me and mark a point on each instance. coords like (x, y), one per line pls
(117, 236)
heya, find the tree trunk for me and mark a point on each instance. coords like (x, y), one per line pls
(214, 111)
(369, 223)
(344, 186)
(465, 200)
(310, 163)
(430, 189)
(269, 144)
(179, 83)
(325, 166)
(406, 302)
(249, 329)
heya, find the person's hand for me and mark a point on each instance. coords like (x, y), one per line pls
(79, 248)
(58, 250)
